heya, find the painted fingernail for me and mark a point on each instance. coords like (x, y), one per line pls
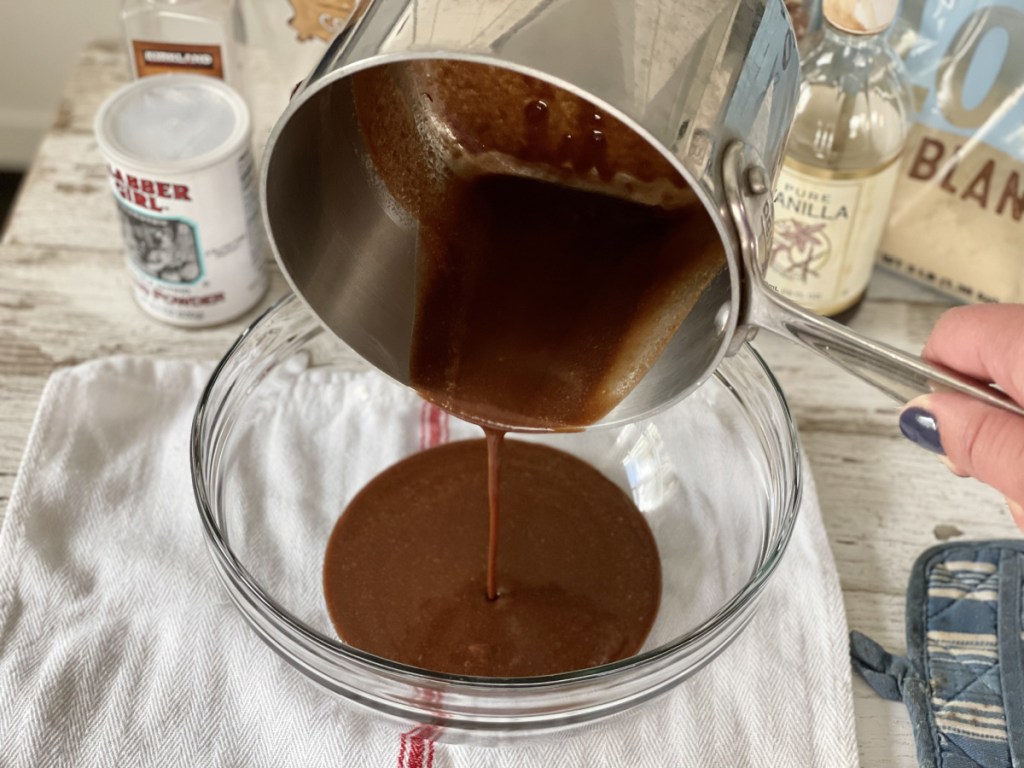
(918, 426)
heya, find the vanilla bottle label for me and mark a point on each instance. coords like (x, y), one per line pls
(827, 228)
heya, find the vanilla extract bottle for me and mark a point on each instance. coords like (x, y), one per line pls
(833, 194)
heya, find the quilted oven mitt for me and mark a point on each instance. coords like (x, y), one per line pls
(962, 679)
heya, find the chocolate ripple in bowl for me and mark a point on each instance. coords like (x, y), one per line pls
(579, 579)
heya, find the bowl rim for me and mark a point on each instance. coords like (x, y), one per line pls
(243, 586)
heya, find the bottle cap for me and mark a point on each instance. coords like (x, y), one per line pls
(860, 17)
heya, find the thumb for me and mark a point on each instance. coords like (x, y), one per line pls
(977, 439)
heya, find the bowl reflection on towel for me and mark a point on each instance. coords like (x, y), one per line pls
(291, 425)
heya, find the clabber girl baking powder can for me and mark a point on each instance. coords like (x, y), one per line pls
(178, 152)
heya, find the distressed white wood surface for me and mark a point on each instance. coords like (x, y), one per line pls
(64, 298)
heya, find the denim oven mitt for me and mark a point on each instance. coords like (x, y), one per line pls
(963, 677)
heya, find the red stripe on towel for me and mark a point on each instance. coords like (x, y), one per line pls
(416, 747)
(433, 426)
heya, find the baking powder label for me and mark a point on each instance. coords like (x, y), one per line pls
(153, 58)
(193, 244)
(826, 233)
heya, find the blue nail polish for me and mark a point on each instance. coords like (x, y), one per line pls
(918, 426)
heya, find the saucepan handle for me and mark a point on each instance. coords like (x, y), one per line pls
(895, 372)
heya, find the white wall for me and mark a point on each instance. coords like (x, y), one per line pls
(39, 41)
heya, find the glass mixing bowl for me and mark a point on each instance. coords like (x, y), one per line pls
(292, 424)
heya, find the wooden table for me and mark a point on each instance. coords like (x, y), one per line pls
(65, 298)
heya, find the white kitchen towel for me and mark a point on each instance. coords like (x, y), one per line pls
(119, 647)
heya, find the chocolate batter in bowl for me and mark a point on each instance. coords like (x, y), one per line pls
(281, 443)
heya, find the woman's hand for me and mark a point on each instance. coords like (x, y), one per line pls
(985, 342)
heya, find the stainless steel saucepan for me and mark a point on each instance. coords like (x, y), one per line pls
(710, 85)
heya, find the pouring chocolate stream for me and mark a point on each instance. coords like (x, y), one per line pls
(544, 292)
(558, 253)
